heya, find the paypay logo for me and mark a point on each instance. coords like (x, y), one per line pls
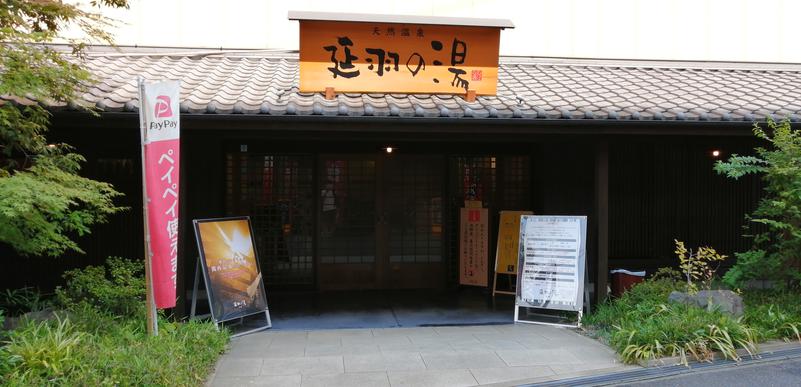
(163, 108)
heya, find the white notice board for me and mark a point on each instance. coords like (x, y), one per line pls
(551, 262)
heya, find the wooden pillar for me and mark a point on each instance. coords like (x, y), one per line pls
(602, 218)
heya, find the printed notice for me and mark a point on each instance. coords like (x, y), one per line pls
(551, 262)
(473, 246)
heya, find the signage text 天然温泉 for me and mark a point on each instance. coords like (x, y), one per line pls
(395, 57)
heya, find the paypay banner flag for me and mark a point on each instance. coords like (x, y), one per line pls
(160, 132)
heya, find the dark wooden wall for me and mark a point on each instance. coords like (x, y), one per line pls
(667, 189)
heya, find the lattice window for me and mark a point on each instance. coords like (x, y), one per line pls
(499, 182)
(414, 210)
(347, 211)
(276, 192)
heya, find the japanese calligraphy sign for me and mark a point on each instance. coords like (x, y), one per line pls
(473, 246)
(551, 264)
(508, 242)
(230, 267)
(395, 57)
(161, 158)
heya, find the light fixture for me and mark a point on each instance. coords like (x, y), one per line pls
(389, 149)
(715, 153)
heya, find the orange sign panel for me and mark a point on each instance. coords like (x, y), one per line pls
(508, 249)
(403, 58)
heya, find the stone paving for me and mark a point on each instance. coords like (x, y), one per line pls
(419, 356)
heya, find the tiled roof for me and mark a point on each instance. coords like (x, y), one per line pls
(266, 83)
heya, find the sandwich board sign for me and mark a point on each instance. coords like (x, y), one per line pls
(551, 265)
(506, 252)
(230, 266)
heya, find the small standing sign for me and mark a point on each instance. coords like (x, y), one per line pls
(552, 260)
(507, 249)
(230, 267)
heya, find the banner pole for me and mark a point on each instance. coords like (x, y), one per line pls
(152, 320)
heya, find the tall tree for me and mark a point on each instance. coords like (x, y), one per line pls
(44, 202)
(776, 251)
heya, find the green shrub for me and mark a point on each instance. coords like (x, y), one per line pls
(773, 314)
(642, 325)
(684, 331)
(644, 299)
(111, 351)
(6, 364)
(667, 273)
(5, 358)
(15, 302)
(45, 350)
(120, 290)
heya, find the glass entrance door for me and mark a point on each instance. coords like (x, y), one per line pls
(380, 222)
(347, 252)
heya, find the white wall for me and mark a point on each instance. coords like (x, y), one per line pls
(736, 30)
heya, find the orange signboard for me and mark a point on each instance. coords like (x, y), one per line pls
(395, 57)
(508, 250)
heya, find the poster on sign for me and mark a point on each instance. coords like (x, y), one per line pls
(473, 246)
(230, 268)
(551, 265)
(160, 137)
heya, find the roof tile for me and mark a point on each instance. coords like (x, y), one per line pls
(267, 84)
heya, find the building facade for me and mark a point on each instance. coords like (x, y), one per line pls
(628, 144)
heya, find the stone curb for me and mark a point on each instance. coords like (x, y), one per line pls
(571, 375)
(764, 348)
(767, 347)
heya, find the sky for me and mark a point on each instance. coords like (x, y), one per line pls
(709, 30)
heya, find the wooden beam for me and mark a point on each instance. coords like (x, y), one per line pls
(330, 93)
(602, 218)
(470, 96)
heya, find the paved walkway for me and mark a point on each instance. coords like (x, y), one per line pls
(420, 356)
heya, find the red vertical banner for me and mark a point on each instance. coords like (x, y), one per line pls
(159, 116)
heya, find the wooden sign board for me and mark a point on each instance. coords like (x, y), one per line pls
(473, 246)
(398, 58)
